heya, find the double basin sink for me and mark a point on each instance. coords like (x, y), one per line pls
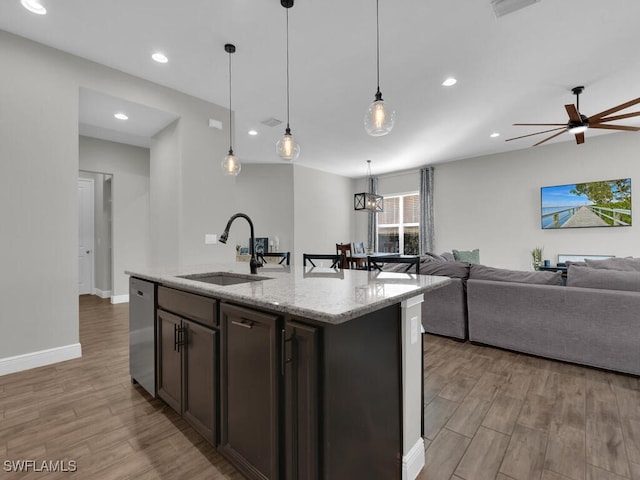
(223, 278)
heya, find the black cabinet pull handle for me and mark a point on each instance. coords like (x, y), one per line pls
(175, 337)
(182, 337)
(283, 357)
(241, 324)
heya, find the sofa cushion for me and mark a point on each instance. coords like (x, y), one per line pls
(448, 256)
(446, 269)
(432, 256)
(628, 264)
(399, 267)
(601, 278)
(568, 263)
(469, 256)
(482, 272)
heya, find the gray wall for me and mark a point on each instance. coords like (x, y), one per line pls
(323, 211)
(39, 89)
(493, 202)
(187, 194)
(38, 181)
(130, 204)
(265, 193)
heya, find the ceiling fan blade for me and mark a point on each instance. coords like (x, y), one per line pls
(574, 116)
(539, 124)
(537, 133)
(549, 138)
(616, 117)
(579, 138)
(622, 106)
(615, 127)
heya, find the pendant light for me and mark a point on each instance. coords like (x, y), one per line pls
(287, 147)
(379, 118)
(368, 201)
(230, 164)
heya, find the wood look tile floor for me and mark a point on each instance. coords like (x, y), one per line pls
(490, 414)
(86, 410)
(494, 414)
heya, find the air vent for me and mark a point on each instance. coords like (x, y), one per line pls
(505, 7)
(271, 122)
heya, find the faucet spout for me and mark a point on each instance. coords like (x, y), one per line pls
(253, 263)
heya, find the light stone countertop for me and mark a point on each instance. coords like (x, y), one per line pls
(322, 294)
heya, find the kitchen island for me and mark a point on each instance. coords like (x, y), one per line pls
(296, 373)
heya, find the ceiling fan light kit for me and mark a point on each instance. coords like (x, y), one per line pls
(578, 123)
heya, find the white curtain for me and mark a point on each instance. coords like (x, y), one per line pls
(426, 210)
(372, 237)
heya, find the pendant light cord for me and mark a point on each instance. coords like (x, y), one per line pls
(287, 68)
(230, 123)
(378, 42)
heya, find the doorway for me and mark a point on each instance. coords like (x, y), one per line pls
(95, 234)
(85, 235)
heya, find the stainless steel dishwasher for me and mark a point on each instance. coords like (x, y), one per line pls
(142, 301)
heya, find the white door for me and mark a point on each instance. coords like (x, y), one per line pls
(85, 236)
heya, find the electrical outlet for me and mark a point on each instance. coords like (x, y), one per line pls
(210, 238)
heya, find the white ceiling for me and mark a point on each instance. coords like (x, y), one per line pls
(518, 68)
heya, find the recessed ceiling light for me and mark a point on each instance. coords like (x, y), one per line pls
(252, 132)
(34, 6)
(494, 135)
(160, 57)
(449, 82)
(121, 116)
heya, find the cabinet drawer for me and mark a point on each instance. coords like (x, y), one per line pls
(191, 306)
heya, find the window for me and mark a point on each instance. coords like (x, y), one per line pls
(398, 225)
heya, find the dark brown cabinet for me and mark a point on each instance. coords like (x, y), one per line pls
(169, 360)
(284, 398)
(301, 408)
(249, 391)
(188, 363)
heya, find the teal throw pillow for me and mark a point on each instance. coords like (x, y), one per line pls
(471, 256)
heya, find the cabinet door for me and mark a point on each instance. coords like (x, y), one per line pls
(249, 391)
(301, 401)
(169, 360)
(199, 378)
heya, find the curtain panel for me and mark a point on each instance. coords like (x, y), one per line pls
(372, 237)
(426, 210)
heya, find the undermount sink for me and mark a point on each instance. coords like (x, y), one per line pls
(222, 278)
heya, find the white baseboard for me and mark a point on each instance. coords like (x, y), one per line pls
(413, 461)
(120, 299)
(41, 358)
(102, 293)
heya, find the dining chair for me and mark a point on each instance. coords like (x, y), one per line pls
(284, 257)
(358, 248)
(336, 259)
(344, 249)
(412, 261)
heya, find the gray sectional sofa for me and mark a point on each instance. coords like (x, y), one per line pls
(594, 320)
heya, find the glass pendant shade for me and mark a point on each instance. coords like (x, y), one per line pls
(379, 119)
(287, 147)
(230, 164)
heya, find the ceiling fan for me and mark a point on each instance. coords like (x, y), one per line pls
(578, 123)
